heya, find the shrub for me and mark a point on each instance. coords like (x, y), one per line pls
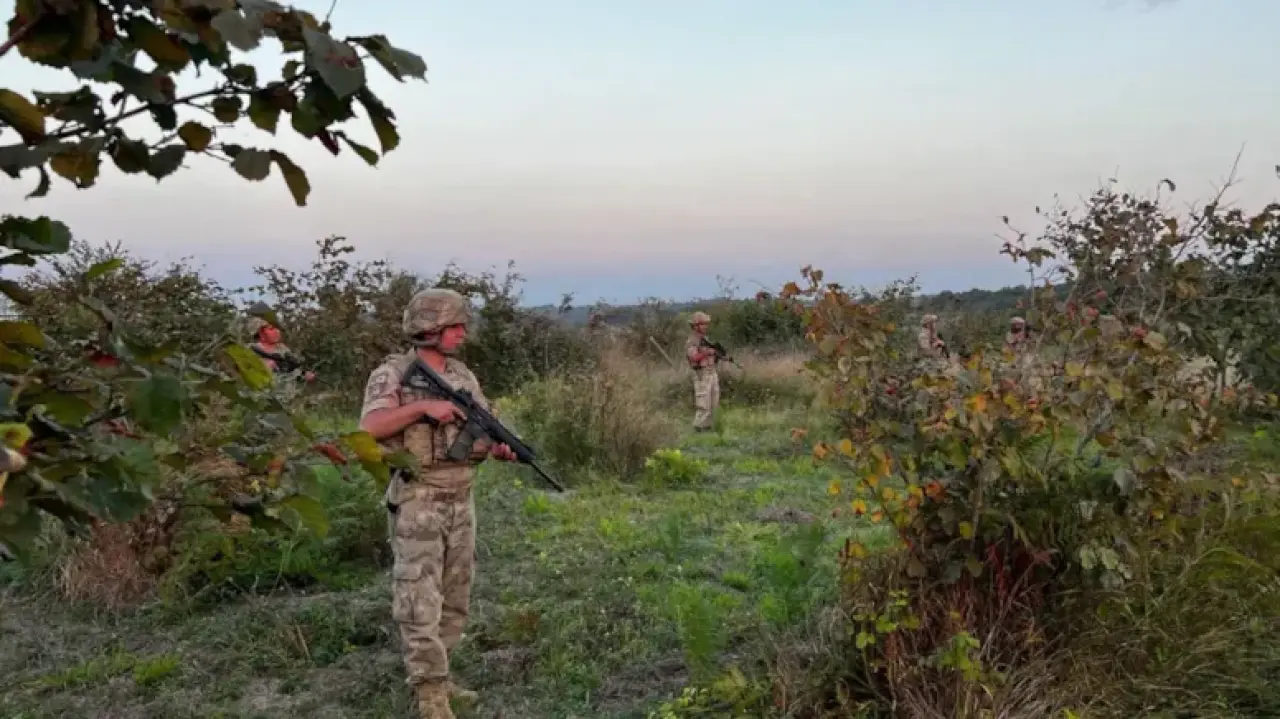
(175, 307)
(671, 467)
(605, 420)
(1029, 493)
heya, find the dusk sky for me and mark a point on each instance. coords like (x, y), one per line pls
(627, 149)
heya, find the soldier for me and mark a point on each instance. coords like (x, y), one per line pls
(1016, 340)
(706, 380)
(930, 344)
(431, 515)
(267, 343)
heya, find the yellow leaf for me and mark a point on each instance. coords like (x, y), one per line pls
(857, 550)
(978, 402)
(846, 447)
(22, 115)
(966, 530)
(164, 49)
(888, 494)
(859, 507)
(364, 446)
(833, 487)
(915, 491)
(15, 435)
(877, 516)
(873, 481)
(1075, 369)
(1237, 482)
(820, 451)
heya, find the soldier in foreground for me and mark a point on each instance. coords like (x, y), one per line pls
(431, 515)
(706, 378)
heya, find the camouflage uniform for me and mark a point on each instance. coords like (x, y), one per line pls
(927, 339)
(706, 380)
(1016, 339)
(431, 518)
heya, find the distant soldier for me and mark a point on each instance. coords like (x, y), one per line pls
(431, 515)
(1016, 339)
(930, 344)
(267, 343)
(706, 380)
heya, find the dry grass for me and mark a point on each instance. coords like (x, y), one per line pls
(105, 570)
(608, 420)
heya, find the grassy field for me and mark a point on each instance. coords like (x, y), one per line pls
(602, 603)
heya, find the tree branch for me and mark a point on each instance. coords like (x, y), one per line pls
(20, 34)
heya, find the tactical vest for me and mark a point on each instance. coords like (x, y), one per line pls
(429, 443)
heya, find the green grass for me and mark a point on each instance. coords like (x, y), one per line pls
(602, 603)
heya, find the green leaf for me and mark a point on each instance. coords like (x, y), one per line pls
(131, 156)
(294, 177)
(103, 268)
(242, 74)
(196, 136)
(166, 161)
(380, 116)
(21, 333)
(263, 113)
(226, 109)
(157, 402)
(249, 366)
(22, 115)
(252, 164)
(40, 236)
(310, 512)
(335, 62)
(395, 61)
(165, 116)
(365, 153)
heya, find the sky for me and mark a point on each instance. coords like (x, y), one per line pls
(630, 149)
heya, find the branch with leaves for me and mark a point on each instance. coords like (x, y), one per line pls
(139, 50)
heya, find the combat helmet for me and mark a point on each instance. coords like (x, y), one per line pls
(699, 318)
(432, 310)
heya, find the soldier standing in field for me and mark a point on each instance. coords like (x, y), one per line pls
(431, 515)
(928, 341)
(706, 379)
(267, 342)
(1016, 339)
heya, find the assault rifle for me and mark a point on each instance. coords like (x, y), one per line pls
(479, 423)
(721, 352)
(284, 362)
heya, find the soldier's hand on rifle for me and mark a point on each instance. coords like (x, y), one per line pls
(309, 376)
(502, 452)
(441, 411)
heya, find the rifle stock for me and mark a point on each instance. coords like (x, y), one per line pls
(480, 423)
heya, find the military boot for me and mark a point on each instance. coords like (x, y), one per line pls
(433, 700)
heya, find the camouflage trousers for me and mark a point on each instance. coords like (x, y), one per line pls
(433, 541)
(706, 396)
